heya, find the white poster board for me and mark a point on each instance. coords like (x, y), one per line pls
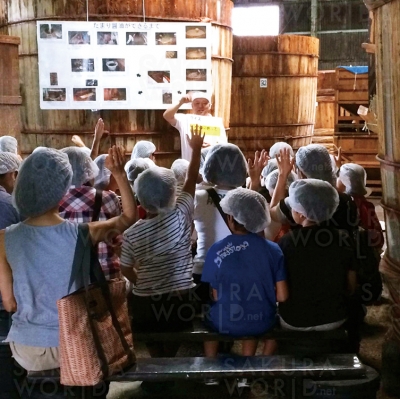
(121, 65)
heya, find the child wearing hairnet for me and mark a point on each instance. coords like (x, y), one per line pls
(319, 259)
(352, 180)
(246, 274)
(156, 251)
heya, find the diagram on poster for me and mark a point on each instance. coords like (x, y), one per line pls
(121, 65)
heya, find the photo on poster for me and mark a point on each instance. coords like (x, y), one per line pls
(136, 38)
(115, 94)
(196, 53)
(113, 64)
(165, 39)
(196, 32)
(91, 82)
(166, 97)
(107, 38)
(196, 74)
(192, 90)
(82, 64)
(171, 54)
(84, 94)
(50, 31)
(78, 37)
(53, 79)
(155, 77)
(54, 94)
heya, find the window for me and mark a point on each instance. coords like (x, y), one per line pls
(255, 21)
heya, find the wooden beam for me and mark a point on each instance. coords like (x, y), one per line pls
(369, 47)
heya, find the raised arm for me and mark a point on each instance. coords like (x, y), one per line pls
(169, 114)
(98, 134)
(255, 169)
(195, 143)
(6, 279)
(106, 230)
(285, 166)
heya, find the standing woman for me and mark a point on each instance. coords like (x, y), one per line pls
(36, 255)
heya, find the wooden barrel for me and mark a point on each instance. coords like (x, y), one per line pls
(386, 17)
(274, 87)
(56, 127)
(10, 99)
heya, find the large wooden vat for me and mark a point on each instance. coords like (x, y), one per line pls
(56, 127)
(10, 99)
(386, 17)
(284, 110)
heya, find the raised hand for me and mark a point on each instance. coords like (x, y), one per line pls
(256, 167)
(99, 129)
(285, 162)
(115, 160)
(197, 139)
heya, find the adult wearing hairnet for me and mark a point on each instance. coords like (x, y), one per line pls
(319, 259)
(143, 149)
(78, 203)
(212, 127)
(226, 169)
(248, 259)
(36, 257)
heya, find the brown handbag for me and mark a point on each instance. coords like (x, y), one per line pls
(95, 332)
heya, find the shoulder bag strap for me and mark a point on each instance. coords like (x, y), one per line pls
(98, 199)
(215, 197)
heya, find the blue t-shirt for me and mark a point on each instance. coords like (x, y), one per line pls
(244, 270)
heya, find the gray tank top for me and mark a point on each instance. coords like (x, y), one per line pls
(41, 260)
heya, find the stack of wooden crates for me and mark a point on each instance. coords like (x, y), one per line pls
(358, 144)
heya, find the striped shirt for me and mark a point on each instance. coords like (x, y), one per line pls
(160, 250)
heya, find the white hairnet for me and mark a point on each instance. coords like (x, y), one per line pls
(143, 149)
(316, 199)
(272, 179)
(277, 147)
(314, 162)
(136, 166)
(83, 166)
(200, 94)
(8, 144)
(269, 167)
(354, 178)
(203, 153)
(102, 180)
(43, 179)
(248, 208)
(9, 162)
(225, 165)
(156, 189)
(180, 168)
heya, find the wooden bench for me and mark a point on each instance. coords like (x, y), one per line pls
(198, 332)
(292, 376)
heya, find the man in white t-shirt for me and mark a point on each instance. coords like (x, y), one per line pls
(212, 126)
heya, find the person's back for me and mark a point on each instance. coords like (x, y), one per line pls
(317, 260)
(244, 271)
(41, 261)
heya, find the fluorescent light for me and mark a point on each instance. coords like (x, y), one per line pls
(255, 21)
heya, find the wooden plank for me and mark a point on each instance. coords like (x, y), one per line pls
(369, 47)
(353, 96)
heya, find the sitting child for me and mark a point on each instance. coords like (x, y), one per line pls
(246, 274)
(319, 259)
(158, 248)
